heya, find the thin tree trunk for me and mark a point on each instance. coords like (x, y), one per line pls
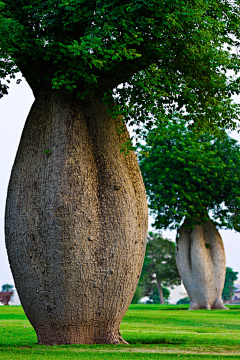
(231, 296)
(160, 292)
(76, 222)
(201, 263)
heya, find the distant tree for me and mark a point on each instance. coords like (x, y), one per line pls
(189, 176)
(7, 287)
(151, 291)
(138, 295)
(159, 268)
(229, 288)
(183, 301)
(154, 295)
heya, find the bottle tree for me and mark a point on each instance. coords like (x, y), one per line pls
(192, 181)
(76, 212)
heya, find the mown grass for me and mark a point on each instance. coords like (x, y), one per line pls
(153, 332)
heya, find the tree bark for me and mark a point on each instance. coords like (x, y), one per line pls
(160, 292)
(76, 221)
(201, 263)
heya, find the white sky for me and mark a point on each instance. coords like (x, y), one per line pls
(14, 109)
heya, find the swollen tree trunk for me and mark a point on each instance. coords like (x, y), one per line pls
(201, 264)
(160, 292)
(76, 222)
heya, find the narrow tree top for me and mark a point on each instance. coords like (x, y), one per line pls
(165, 51)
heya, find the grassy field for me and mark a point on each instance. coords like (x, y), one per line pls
(153, 332)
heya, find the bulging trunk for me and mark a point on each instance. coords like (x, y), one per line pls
(76, 222)
(201, 264)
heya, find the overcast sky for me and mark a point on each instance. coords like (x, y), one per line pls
(14, 109)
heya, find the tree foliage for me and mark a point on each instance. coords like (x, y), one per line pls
(154, 295)
(183, 301)
(160, 261)
(228, 289)
(159, 268)
(191, 174)
(7, 287)
(169, 55)
(138, 295)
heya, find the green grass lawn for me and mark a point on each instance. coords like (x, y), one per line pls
(153, 332)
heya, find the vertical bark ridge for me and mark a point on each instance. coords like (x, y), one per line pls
(217, 254)
(202, 269)
(183, 256)
(76, 215)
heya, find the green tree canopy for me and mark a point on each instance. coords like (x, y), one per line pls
(7, 287)
(138, 295)
(159, 268)
(160, 260)
(190, 175)
(154, 295)
(183, 301)
(152, 292)
(228, 289)
(167, 54)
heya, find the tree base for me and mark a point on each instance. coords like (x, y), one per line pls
(79, 335)
(218, 305)
(195, 306)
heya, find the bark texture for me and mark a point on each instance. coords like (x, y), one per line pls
(76, 222)
(202, 267)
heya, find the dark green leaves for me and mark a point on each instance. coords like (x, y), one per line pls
(160, 261)
(189, 174)
(159, 264)
(168, 56)
(228, 290)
